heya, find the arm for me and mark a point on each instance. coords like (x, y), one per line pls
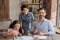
(9, 34)
(41, 33)
(51, 29)
(20, 17)
(32, 16)
(33, 28)
(19, 34)
(22, 31)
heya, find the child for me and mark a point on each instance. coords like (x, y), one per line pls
(15, 29)
(26, 18)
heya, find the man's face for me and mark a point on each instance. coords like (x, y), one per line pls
(41, 13)
(25, 11)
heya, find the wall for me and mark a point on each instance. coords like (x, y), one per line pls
(58, 17)
(54, 11)
(14, 9)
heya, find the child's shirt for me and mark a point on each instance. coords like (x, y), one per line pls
(15, 32)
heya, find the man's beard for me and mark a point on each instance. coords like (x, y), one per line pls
(40, 16)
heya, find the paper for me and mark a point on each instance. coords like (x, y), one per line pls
(31, 37)
(27, 37)
(40, 37)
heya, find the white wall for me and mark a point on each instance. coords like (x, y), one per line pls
(14, 6)
(14, 9)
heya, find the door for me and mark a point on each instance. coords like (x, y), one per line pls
(4, 9)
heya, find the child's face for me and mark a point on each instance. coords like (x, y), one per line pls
(25, 11)
(17, 26)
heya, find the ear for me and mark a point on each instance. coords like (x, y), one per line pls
(45, 13)
(28, 9)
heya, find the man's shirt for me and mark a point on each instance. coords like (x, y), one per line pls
(45, 26)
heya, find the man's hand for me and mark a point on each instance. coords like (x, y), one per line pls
(41, 33)
(19, 34)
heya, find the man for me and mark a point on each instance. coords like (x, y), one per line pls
(26, 18)
(42, 26)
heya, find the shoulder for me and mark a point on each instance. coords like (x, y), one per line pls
(49, 21)
(30, 13)
(20, 14)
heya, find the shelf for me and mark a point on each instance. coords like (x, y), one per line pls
(35, 12)
(32, 3)
(5, 19)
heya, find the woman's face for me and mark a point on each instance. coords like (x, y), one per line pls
(17, 26)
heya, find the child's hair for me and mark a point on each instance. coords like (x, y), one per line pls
(23, 6)
(15, 22)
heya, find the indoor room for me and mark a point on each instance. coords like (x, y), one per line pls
(42, 15)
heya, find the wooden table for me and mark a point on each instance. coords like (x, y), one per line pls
(58, 30)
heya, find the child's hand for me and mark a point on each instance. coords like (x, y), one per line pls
(22, 31)
(20, 34)
(35, 31)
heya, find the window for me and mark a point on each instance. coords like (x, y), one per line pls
(58, 15)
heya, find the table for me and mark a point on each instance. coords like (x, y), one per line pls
(30, 37)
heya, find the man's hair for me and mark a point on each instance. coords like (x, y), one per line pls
(23, 6)
(41, 9)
